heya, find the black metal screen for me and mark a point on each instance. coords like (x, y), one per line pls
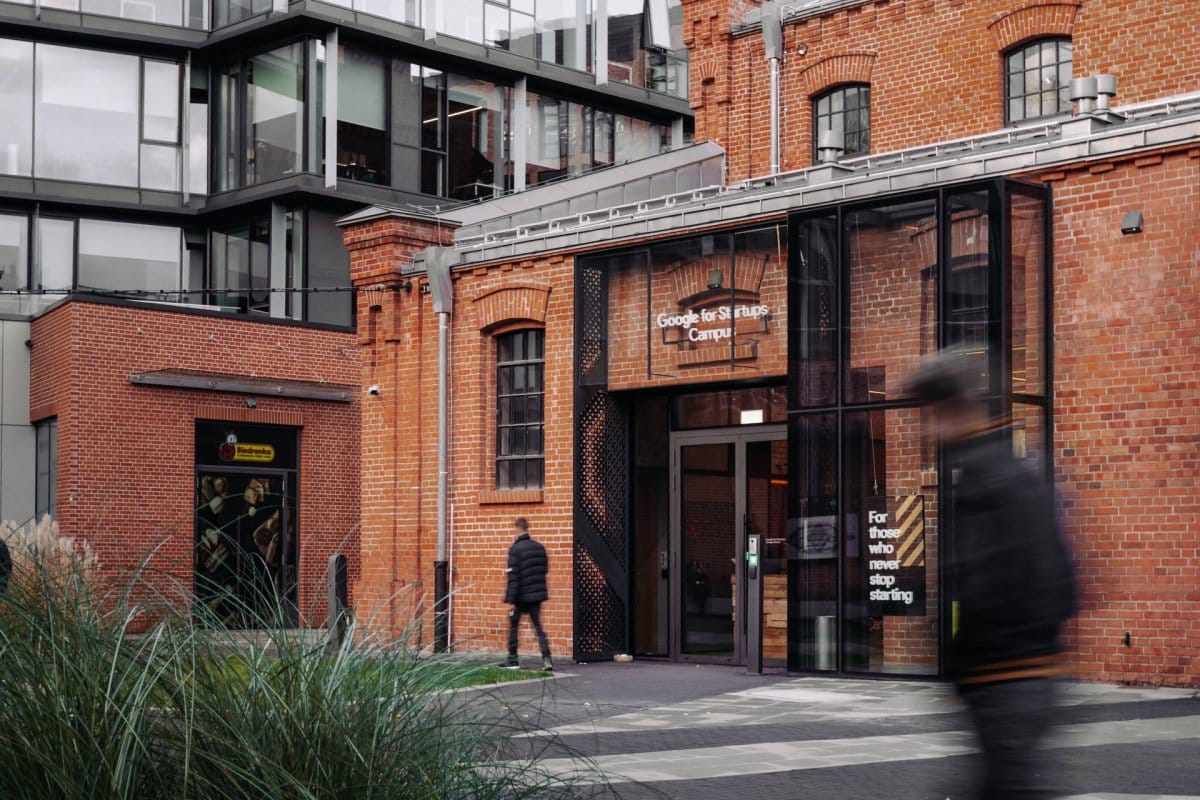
(601, 551)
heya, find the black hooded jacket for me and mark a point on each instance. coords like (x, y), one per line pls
(1012, 573)
(527, 568)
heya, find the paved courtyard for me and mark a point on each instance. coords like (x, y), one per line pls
(649, 730)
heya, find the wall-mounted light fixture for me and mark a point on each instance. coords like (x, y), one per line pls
(251, 402)
(1131, 222)
(715, 279)
(802, 49)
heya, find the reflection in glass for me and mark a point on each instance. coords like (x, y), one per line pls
(626, 48)
(892, 251)
(226, 149)
(126, 257)
(1027, 277)
(546, 143)
(160, 101)
(56, 254)
(160, 167)
(226, 12)
(92, 91)
(970, 323)
(241, 275)
(362, 128)
(708, 493)
(198, 132)
(16, 98)
(891, 543)
(561, 31)
(14, 251)
(161, 12)
(847, 110)
(275, 114)
(815, 310)
(812, 550)
(476, 120)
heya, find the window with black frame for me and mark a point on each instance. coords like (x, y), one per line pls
(520, 395)
(1037, 80)
(846, 109)
(46, 483)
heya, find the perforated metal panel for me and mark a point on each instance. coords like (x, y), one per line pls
(601, 552)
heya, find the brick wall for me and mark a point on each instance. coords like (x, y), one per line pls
(934, 66)
(1127, 424)
(399, 337)
(126, 479)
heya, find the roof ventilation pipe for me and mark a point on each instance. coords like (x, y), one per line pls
(772, 31)
(830, 146)
(1106, 90)
(1083, 93)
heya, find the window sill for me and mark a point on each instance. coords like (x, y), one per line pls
(511, 496)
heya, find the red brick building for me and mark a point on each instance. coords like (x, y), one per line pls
(175, 458)
(656, 363)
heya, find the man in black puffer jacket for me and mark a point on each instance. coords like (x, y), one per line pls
(1012, 579)
(527, 568)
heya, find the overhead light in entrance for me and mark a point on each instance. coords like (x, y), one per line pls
(715, 279)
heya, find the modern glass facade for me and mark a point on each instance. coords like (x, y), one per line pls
(819, 452)
(129, 105)
(223, 162)
(873, 289)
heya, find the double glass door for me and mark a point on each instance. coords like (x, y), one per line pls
(726, 485)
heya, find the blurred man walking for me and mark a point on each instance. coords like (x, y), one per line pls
(527, 568)
(1012, 580)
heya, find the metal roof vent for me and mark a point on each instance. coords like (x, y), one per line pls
(1083, 94)
(830, 146)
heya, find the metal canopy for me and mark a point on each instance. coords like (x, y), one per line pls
(244, 384)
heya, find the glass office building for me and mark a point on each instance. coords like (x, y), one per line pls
(190, 157)
(223, 138)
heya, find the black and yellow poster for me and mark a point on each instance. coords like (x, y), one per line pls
(895, 545)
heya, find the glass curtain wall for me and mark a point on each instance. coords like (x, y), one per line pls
(261, 125)
(872, 290)
(129, 106)
(363, 108)
(92, 91)
(567, 139)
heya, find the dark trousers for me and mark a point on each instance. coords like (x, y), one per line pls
(1011, 719)
(534, 610)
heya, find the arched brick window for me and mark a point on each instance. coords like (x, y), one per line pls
(1037, 80)
(845, 108)
(520, 409)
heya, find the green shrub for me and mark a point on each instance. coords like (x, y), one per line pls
(183, 709)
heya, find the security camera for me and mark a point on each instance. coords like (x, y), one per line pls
(375, 390)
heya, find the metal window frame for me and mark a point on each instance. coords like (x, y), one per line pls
(1007, 74)
(503, 428)
(1000, 395)
(817, 116)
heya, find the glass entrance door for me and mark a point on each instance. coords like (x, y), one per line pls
(727, 484)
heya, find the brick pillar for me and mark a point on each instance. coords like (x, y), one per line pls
(707, 35)
(397, 332)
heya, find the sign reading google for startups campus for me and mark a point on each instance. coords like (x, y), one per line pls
(714, 325)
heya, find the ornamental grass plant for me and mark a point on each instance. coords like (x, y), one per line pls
(103, 699)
